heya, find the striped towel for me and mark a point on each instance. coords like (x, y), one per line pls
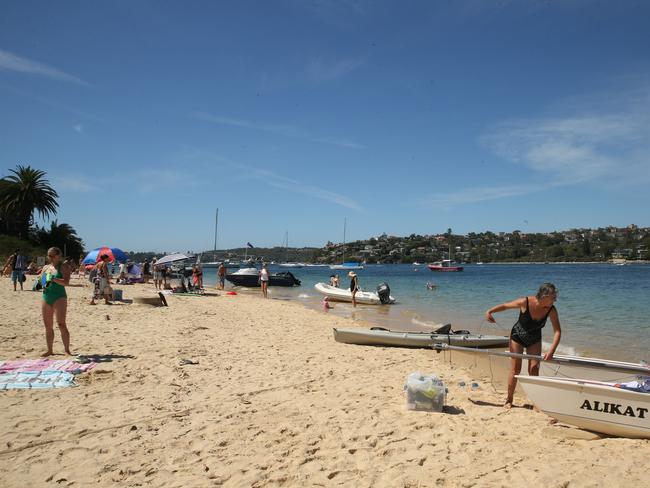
(44, 364)
(36, 379)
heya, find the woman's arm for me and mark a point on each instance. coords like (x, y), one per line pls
(518, 303)
(65, 271)
(557, 334)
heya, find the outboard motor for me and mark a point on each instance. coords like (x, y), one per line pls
(383, 290)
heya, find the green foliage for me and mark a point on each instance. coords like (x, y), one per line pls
(22, 193)
(62, 236)
(8, 244)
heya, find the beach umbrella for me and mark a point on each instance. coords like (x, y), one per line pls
(135, 270)
(114, 254)
(170, 258)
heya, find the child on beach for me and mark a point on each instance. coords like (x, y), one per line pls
(326, 304)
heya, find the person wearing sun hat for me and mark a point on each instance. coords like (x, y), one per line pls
(354, 287)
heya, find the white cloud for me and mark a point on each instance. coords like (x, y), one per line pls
(282, 130)
(11, 62)
(603, 141)
(281, 182)
(478, 194)
(78, 128)
(320, 70)
(157, 179)
(72, 184)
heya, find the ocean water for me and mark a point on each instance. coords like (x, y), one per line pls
(604, 309)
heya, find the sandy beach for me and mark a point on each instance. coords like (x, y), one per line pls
(273, 401)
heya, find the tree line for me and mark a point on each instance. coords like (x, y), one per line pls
(24, 194)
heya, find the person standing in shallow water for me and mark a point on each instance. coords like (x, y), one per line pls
(526, 334)
(222, 276)
(354, 287)
(264, 280)
(55, 299)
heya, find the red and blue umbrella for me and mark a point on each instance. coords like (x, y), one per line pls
(114, 254)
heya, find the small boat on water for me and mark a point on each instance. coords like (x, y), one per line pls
(378, 336)
(350, 265)
(592, 405)
(249, 277)
(291, 265)
(444, 265)
(345, 295)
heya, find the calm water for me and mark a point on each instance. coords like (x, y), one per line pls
(604, 309)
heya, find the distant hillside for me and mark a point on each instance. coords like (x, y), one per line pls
(575, 245)
(277, 254)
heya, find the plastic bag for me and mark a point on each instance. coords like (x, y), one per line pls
(425, 392)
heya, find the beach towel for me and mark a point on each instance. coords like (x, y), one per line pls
(44, 364)
(642, 385)
(36, 379)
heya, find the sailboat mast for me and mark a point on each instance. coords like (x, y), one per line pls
(286, 246)
(345, 223)
(216, 226)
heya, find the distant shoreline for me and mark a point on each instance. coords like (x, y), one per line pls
(567, 262)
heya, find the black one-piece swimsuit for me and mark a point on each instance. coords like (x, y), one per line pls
(527, 331)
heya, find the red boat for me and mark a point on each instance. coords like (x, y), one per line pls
(444, 265)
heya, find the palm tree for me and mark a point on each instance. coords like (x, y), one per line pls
(62, 236)
(21, 194)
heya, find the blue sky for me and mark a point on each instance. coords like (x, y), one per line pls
(292, 115)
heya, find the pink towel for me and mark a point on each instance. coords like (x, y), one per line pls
(44, 364)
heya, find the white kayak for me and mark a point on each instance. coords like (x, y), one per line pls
(345, 295)
(591, 405)
(383, 337)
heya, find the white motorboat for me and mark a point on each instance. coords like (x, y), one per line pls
(591, 405)
(378, 336)
(351, 265)
(345, 295)
(291, 265)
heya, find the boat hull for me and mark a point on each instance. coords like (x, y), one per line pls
(391, 338)
(593, 369)
(252, 281)
(445, 269)
(344, 295)
(591, 405)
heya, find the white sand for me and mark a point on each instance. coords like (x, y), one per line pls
(274, 401)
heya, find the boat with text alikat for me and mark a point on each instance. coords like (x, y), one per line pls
(615, 409)
(444, 265)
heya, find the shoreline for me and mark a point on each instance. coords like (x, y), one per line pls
(273, 401)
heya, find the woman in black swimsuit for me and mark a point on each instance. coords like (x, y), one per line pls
(527, 332)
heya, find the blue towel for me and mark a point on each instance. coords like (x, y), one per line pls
(642, 385)
(36, 379)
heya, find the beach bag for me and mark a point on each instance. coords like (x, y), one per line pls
(92, 275)
(425, 392)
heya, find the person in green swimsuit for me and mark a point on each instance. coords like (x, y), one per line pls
(55, 299)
